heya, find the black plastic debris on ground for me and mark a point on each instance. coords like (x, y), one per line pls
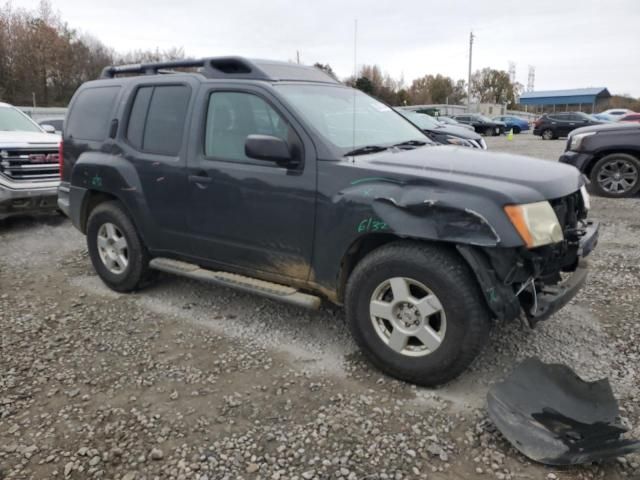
(554, 417)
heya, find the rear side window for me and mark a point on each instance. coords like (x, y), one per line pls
(157, 118)
(92, 113)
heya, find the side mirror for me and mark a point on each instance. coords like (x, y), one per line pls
(48, 128)
(268, 148)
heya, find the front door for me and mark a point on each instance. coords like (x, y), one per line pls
(254, 215)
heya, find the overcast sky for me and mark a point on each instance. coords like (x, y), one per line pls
(571, 43)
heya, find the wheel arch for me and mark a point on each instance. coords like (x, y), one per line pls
(91, 200)
(364, 245)
(608, 151)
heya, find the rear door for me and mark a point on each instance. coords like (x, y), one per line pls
(561, 124)
(154, 142)
(250, 214)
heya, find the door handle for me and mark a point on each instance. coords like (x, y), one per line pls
(201, 181)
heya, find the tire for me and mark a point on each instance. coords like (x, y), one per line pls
(111, 217)
(547, 134)
(516, 130)
(488, 132)
(463, 323)
(603, 176)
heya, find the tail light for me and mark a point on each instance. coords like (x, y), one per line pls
(61, 157)
(537, 122)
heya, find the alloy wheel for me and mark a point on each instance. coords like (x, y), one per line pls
(617, 176)
(408, 317)
(113, 248)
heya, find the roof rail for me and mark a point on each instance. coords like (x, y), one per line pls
(226, 67)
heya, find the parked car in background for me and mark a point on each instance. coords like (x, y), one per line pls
(481, 124)
(450, 121)
(56, 123)
(555, 125)
(631, 117)
(617, 113)
(609, 155)
(514, 123)
(236, 174)
(29, 165)
(603, 117)
(442, 133)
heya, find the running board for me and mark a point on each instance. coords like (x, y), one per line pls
(239, 282)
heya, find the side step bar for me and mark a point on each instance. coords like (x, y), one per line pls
(240, 282)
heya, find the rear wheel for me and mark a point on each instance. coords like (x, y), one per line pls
(116, 250)
(488, 131)
(547, 134)
(417, 312)
(516, 130)
(617, 175)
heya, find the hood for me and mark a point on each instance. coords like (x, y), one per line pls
(506, 178)
(466, 133)
(607, 127)
(13, 139)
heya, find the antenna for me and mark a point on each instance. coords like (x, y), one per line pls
(531, 80)
(355, 77)
(512, 72)
(469, 85)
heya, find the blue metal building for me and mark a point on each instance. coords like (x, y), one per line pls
(582, 99)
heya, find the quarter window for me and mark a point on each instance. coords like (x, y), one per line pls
(232, 117)
(91, 113)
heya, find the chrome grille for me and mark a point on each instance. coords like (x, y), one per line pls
(30, 164)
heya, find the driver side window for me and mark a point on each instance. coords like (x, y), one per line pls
(232, 117)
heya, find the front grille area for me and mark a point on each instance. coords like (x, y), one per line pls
(569, 210)
(30, 164)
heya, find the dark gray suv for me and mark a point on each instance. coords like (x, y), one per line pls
(276, 179)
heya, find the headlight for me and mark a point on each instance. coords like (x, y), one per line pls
(536, 223)
(576, 140)
(458, 141)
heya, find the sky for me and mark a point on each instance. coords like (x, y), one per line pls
(571, 43)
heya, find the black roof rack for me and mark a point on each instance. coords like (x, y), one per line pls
(227, 67)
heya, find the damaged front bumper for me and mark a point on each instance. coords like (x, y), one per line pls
(550, 299)
(512, 284)
(554, 417)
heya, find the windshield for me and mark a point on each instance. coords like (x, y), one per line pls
(483, 118)
(420, 119)
(13, 120)
(334, 111)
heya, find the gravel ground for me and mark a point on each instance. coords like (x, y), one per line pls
(188, 381)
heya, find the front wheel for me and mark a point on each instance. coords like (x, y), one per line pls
(417, 312)
(617, 176)
(115, 248)
(516, 130)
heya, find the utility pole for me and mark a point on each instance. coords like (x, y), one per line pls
(298, 56)
(469, 84)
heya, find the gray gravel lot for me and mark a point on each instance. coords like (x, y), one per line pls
(188, 381)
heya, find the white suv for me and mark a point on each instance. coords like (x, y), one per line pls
(29, 164)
